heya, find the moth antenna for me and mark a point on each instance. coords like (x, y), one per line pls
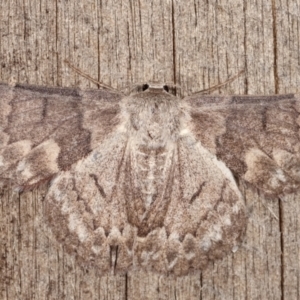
(103, 85)
(215, 87)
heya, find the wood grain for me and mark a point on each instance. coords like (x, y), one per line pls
(195, 44)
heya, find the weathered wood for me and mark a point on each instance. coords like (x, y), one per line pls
(195, 44)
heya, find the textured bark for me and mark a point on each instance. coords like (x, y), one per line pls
(194, 44)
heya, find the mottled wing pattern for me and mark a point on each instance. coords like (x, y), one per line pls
(132, 205)
(199, 216)
(145, 182)
(44, 130)
(256, 136)
(86, 207)
(100, 211)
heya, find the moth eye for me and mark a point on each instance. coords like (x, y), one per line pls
(145, 87)
(166, 88)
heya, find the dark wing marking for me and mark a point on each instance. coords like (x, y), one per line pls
(44, 130)
(256, 136)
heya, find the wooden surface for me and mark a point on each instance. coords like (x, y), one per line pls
(195, 44)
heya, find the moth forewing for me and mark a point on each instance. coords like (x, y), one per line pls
(147, 180)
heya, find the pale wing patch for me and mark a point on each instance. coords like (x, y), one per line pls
(261, 168)
(14, 153)
(39, 163)
(288, 162)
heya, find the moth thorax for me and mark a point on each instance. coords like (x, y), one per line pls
(155, 136)
(155, 130)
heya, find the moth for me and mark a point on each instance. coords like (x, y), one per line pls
(147, 180)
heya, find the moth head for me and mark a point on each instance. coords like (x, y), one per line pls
(151, 99)
(154, 88)
(153, 115)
